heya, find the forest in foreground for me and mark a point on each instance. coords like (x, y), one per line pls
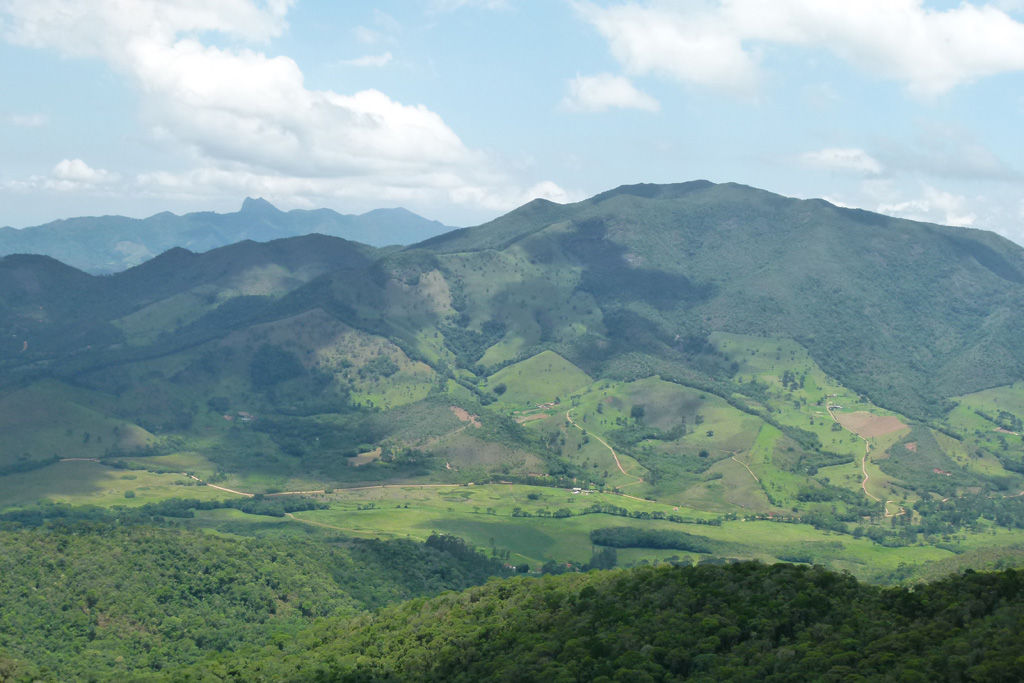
(182, 605)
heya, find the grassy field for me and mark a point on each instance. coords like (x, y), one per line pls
(538, 380)
(684, 451)
(52, 419)
(90, 483)
(489, 517)
(482, 515)
(986, 417)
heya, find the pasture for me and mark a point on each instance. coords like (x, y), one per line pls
(91, 483)
(537, 380)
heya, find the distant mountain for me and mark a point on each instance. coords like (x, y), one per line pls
(110, 244)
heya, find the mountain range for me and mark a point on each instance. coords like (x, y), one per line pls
(109, 244)
(689, 374)
(718, 349)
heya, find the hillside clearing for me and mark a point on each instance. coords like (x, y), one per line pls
(868, 425)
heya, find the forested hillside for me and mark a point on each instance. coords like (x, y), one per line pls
(742, 622)
(908, 313)
(89, 595)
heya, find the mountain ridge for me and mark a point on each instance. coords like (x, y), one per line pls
(108, 244)
(872, 297)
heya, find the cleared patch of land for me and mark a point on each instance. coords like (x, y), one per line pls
(368, 457)
(868, 426)
(464, 416)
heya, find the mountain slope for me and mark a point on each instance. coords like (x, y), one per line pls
(633, 280)
(709, 333)
(49, 308)
(906, 312)
(111, 244)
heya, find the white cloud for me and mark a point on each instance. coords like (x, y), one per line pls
(246, 120)
(606, 91)
(935, 206)
(77, 171)
(369, 60)
(718, 43)
(111, 28)
(843, 159)
(689, 43)
(69, 175)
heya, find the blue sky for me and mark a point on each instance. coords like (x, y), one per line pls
(461, 110)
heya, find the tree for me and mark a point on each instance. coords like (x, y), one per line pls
(604, 558)
(637, 412)
(219, 404)
(272, 365)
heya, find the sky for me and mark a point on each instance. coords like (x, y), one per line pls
(461, 110)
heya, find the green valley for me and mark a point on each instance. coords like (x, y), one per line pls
(619, 350)
(679, 375)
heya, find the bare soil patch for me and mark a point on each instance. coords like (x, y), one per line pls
(867, 425)
(366, 458)
(912, 446)
(463, 415)
(530, 418)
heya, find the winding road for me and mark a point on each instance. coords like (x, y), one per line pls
(568, 416)
(864, 467)
(748, 470)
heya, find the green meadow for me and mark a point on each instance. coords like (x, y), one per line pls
(90, 483)
(537, 380)
(652, 447)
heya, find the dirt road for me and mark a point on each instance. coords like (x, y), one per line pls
(568, 416)
(864, 468)
(748, 470)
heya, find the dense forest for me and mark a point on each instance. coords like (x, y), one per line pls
(91, 599)
(88, 596)
(739, 622)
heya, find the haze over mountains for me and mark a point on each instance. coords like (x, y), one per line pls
(108, 244)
